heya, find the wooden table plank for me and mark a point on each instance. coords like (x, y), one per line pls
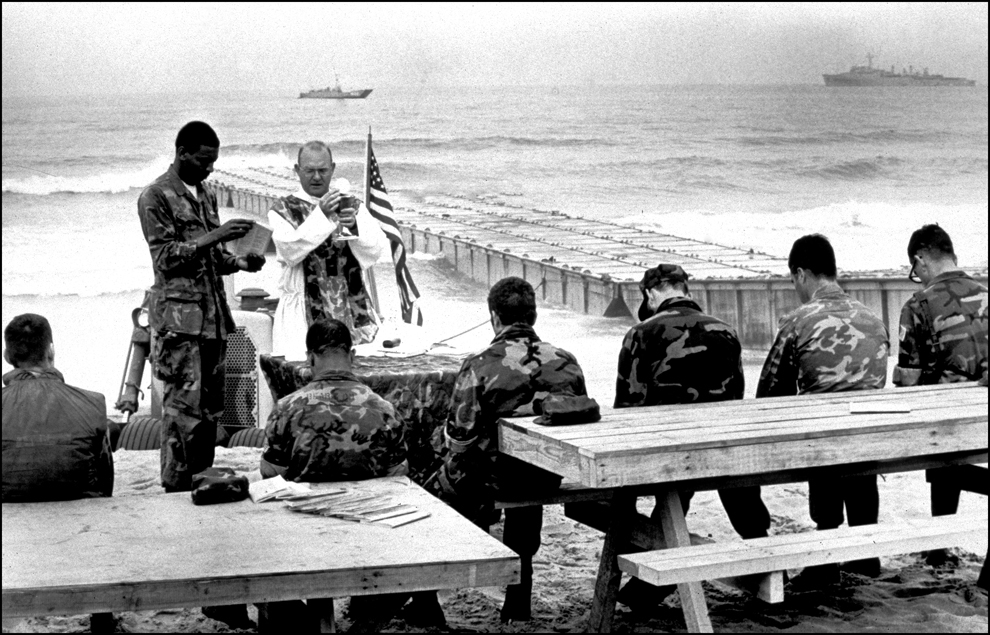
(140, 553)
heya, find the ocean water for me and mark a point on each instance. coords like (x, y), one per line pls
(754, 167)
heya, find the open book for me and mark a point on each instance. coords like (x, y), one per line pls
(254, 242)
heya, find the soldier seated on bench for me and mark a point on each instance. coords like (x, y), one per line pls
(333, 429)
(56, 437)
(505, 380)
(943, 339)
(676, 355)
(831, 343)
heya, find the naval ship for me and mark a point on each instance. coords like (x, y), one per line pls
(869, 76)
(335, 92)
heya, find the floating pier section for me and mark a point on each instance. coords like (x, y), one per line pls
(591, 266)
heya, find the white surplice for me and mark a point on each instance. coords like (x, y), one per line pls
(292, 245)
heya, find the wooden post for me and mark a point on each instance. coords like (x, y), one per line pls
(675, 533)
(621, 510)
(322, 609)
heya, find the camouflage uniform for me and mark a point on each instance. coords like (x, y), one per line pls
(335, 429)
(334, 285)
(680, 355)
(944, 340)
(830, 344)
(505, 380)
(189, 315)
(944, 333)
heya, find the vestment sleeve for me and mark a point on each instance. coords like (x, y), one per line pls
(293, 244)
(909, 366)
(630, 387)
(371, 242)
(168, 252)
(780, 372)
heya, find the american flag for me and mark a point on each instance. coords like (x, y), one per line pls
(381, 210)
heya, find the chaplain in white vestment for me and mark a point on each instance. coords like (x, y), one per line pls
(323, 246)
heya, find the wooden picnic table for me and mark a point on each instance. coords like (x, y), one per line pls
(665, 449)
(153, 552)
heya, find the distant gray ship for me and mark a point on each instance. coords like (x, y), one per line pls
(335, 92)
(869, 76)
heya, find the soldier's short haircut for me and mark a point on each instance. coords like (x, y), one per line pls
(328, 335)
(931, 238)
(814, 253)
(27, 339)
(514, 301)
(195, 135)
(315, 146)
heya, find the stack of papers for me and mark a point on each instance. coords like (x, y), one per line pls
(275, 489)
(355, 507)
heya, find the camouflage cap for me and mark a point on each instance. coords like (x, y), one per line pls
(663, 273)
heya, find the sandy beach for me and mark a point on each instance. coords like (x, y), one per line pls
(909, 597)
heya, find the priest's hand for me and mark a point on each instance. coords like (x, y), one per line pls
(330, 203)
(348, 217)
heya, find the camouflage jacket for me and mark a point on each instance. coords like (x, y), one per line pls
(188, 294)
(943, 333)
(56, 444)
(680, 355)
(502, 381)
(335, 429)
(830, 344)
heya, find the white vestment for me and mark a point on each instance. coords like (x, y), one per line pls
(292, 245)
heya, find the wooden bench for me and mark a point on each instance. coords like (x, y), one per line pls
(793, 551)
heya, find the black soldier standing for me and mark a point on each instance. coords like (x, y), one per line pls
(188, 311)
(676, 355)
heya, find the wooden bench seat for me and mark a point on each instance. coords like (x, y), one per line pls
(793, 551)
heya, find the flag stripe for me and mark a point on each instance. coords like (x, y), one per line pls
(381, 210)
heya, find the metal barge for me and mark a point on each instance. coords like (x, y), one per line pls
(591, 266)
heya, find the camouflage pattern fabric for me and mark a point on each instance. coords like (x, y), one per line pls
(943, 334)
(187, 296)
(335, 429)
(334, 285)
(680, 355)
(192, 372)
(504, 380)
(419, 388)
(830, 344)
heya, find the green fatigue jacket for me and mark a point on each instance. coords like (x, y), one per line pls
(335, 429)
(680, 355)
(831, 344)
(55, 440)
(944, 333)
(188, 296)
(504, 380)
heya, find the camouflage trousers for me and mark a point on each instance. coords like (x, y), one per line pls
(192, 372)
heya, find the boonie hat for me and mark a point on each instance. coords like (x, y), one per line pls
(653, 277)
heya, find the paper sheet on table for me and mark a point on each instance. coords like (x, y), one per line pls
(271, 488)
(877, 408)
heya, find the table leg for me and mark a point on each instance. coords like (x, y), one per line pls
(621, 510)
(675, 533)
(322, 609)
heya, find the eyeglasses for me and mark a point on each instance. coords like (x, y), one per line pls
(912, 276)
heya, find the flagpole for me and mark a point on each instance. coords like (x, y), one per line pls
(370, 283)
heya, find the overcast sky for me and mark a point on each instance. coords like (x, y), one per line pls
(112, 48)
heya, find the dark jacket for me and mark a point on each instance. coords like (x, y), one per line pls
(55, 440)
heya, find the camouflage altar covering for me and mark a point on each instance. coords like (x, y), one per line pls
(419, 388)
